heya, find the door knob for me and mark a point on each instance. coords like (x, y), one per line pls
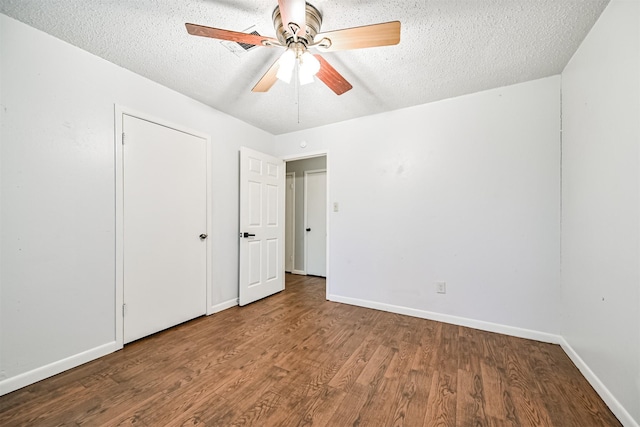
(203, 236)
(308, 229)
(246, 235)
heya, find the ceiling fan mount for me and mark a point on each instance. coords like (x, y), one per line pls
(292, 33)
(297, 25)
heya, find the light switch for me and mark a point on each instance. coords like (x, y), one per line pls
(336, 208)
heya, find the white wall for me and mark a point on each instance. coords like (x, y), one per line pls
(57, 202)
(299, 167)
(464, 190)
(600, 204)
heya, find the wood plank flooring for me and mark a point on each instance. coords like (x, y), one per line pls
(295, 359)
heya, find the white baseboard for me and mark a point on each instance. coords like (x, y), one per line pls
(299, 272)
(618, 410)
(22, 380)
(455, 320)
(223, 306)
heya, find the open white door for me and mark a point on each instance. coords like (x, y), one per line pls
(262, 225)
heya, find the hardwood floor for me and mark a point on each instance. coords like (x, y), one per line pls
(295, 359)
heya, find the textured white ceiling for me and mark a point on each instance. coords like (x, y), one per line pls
(448, 48)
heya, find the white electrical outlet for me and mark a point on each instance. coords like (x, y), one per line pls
(336, 207)
(441, 287)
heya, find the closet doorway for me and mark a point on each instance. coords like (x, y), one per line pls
(306, 216)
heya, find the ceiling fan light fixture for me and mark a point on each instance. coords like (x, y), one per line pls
(308, 67)
(309, 63)
(287, 62)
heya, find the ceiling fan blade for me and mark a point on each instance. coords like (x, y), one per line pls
(234, 36)
(293, 11)
(269, 78)
(385, 34)
(329, 76)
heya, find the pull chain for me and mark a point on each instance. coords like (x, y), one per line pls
(298, 91)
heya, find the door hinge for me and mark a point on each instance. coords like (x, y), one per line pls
(124, 309)
(122, 138)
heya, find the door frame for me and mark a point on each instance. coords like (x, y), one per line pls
(119, 111)
(306, 215)
(291, 231)
(320, 153)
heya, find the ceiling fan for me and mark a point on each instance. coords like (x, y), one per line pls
(297, 26)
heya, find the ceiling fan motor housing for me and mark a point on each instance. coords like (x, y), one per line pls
(286, 35)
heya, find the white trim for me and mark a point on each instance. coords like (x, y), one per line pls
(293, 220)
(119, 228)
(119, 111)
(222, 306)
(320, 153)
(299, 272)
(329, 211)
(455, 320)
(209, 226)
(311, 155)
(46, 371)
(614, 405)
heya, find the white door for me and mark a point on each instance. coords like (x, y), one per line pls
(290, 221)
(164, 218)
(262, 206)
(315, 195)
